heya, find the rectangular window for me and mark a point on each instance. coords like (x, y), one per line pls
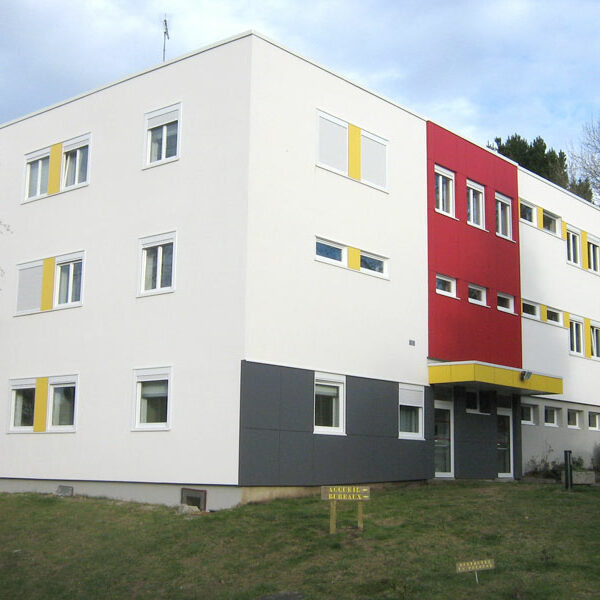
(530, 309)
(551, 416)
(526, 212)
(573, 255)
(527, 414)
(373, 158)
(370, 263)
(23, 405)
(152, 398)
(329, 404)
(593, 257)
(444, 191)
(75, 161)
(445, 285)
(68, 282)
(163, 128)
(576, 337)
(62, 398)
(506, 302)
(410, 411)
(475, 204)
(38, 169)
(503, 216)
(595, 340)
(477, 294)
(594, 420)
(550, 222)
(330, 252)
(476, 403)
(573, 419)
(333, 143)
(157, 271)
(554, 316)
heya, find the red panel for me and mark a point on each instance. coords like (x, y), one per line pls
(458, 329)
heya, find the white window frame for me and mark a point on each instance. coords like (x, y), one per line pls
(384, 143)
(333, 380)
(20, 384)
(151, 374)
(532, 409)
(555, 422)
(596, 418)
(574, 325)
(61, 381)
(477, 410)
(152, 241)
(503, 203)
(384, 260)
(445, 173)
(341, 123)
(343, 262)
(511, 303)
(31, 158)
(559, 313)
(533, 212)
(537, 315)
(593, 250)
(451, 281)
(472, 190)
(577, 413)
(167, 118)
(62, 260)
(76, 145)
(416, 403)
(595, 340)
(481, 290)
(555, 219)
(573, 247)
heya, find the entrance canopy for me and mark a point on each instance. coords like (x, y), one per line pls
(505, 379)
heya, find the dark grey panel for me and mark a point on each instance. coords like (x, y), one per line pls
(295, 457)
(296, 414)
(261, 391)
(259, 461)
(371, 407)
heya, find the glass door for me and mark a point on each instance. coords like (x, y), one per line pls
(504, 443)
(444, 439)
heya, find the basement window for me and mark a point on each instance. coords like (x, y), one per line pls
(193, 497)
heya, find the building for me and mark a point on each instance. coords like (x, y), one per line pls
(238, 274)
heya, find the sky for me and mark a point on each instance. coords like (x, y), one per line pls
(482, 68)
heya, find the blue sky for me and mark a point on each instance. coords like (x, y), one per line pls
(482, 68)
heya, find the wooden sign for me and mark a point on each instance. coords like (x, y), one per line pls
(345, 492)
(475, 565)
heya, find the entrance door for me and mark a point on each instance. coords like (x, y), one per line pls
(504, 443)
(444, 439)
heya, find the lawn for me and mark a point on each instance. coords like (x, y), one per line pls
(545, 543)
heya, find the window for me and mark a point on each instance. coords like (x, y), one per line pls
(475, 204)
(333, 143)
(527, 414)
(595, 340)
(444, 191)
(475, 402)
(503, 216)
(593, 257)
(506, 302)
(445, 285)
(163, 134)
(531, 310)
(551, 416)
(370, 263)
(157, 274)
(572, 419)
(68, 282)
(38, 169)
(554, 316)
(329, 404)
(477, 294)
(75, 162)
(22, 405)
(152, 398)
(550, 222)
(330, 252)
(573, 255)
(594, 420)
(62, 394)
(576, 337)
(526, 212)
(373, 160)
(410, 411)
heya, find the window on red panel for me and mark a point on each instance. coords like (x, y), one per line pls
(444, 191)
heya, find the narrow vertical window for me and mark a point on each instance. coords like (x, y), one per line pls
(37, 176)
(69, 282)
(576, 337)
(475, 205)
(23, 407)
(63, 405)
(163, 129)
(593, 257)
(152, 398)
(157, 263)
(573, 255)
(444, 191)
(329, 404)
(503, 216)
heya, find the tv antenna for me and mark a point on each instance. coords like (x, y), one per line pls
(165, 36)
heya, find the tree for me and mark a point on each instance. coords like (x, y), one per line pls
(549, 164)
(587, 158)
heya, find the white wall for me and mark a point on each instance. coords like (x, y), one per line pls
(197, 330)
(299, 311)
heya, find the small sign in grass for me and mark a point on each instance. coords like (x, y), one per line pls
(333, 493)
(475, 565)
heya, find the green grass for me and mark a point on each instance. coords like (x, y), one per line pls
(545, 541)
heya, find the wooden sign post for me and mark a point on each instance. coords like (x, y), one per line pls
(475, 565)
(333, 493)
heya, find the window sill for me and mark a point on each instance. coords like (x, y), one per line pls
(530, 317)
(527, 423)
(158, 292)
(445, 214)
(164, 427)
(50, 310)
(335, 263)
(480, 227)
(414, 438)
(507, 312)
(447, 295)
(504, 237)
(576, 355)
(550, 425)
(472, 411)
(479, 303)
(573, 427)
(61, 191)
(61, 430)
(329, 432)
(159, 163)
(346, 176)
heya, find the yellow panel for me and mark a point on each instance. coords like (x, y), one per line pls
(354, 258)
(48, 284)
(540, 215)
(463, 372)
(41, 402)
(543, 312)
(564, 230)
(584, 250)
(587, 329)
(506, 378)
(354, 151)
(54, 169)
(439, 374)
(566, 319)
(484, 373)
(544, 384)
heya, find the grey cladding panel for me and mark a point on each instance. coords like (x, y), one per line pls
(371, 407)
(261, 389)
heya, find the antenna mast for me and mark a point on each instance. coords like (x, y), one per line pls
(165, 36)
